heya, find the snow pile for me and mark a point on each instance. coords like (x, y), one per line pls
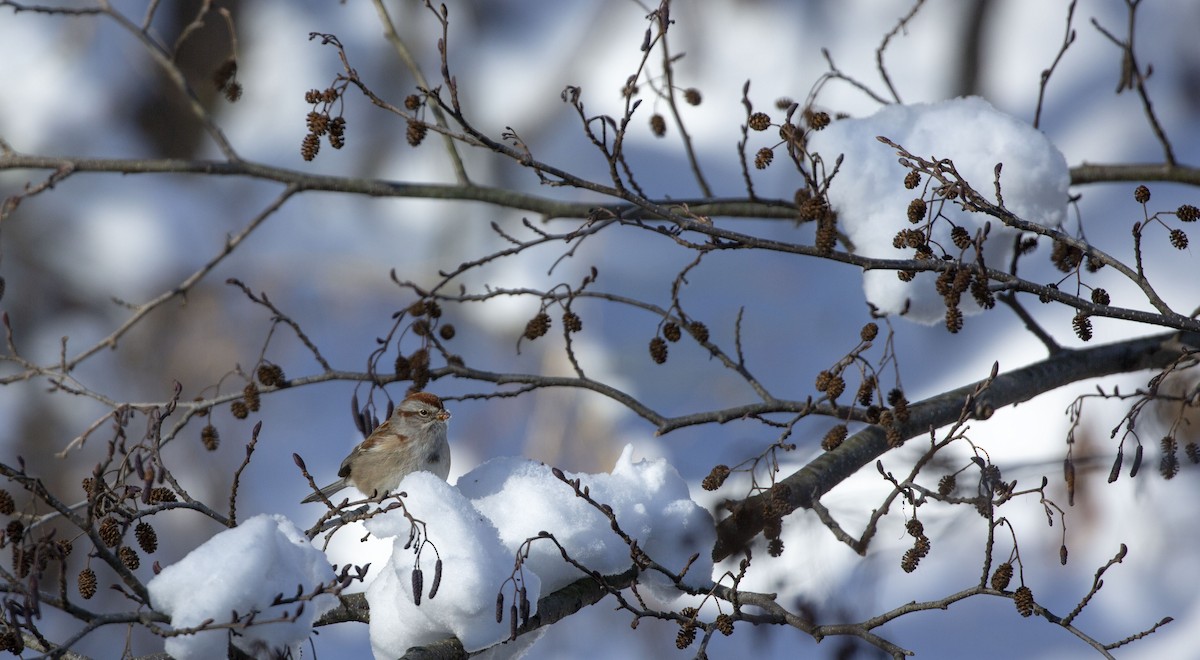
(243, 569)
(479, 526)
(475, 564)
(871, 200)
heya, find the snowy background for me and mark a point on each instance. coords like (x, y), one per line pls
(78, 86)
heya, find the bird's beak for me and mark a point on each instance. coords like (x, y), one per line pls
(443, 415)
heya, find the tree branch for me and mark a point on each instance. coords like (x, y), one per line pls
(803, 487)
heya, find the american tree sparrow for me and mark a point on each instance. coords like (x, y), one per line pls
(412, 439)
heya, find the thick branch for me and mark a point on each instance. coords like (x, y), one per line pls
(808, 484)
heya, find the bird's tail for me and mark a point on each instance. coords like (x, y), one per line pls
(327, 492)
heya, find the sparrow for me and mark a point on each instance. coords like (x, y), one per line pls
(412, 439)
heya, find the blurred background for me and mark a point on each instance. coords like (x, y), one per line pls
(84, 87)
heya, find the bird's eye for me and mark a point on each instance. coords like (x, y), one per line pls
(424, 413)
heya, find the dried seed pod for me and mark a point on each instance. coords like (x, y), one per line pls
(419, 362)
(317, 123)
(1168, 464)
(716, 478)
(251, 396)
(403, 367)
(912, 179)
(15, 531)
(146, 537)
(823, 380)
(7, 505)
(811, 208)
(775, 547)
(446, 332)
(954, 319)
(1001, 576)
(763, 158)
(1141, 194)
(946, 484)
(922, 546)
(1083, 326)
(537, 326)
(1100, 296)
(899, 407)
(270, 375)
(960, 237)
(836, 387)
(914, 527)
(415, 133)
(834, 437)
(572, 322)
(826, 238)
(162, 494)
(337, 132)
(692, 96)
(687, 635)
(87, 583)
(910, 238)
(658, 350)
(110, 532)
(1179, 240)
(869, 332)
(759, 121)
(658, 125)
(866, 391)
(724, 624)
(129, 557)
(817, 120)
(908, 562)
(1188, 213)
(412, 102)
(239, 409)
(310, 146)
(699, 331)
(1023, 599)
(1066, 258)
(210, 438)
(671, 331)
(981, 293)
(916, 210)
